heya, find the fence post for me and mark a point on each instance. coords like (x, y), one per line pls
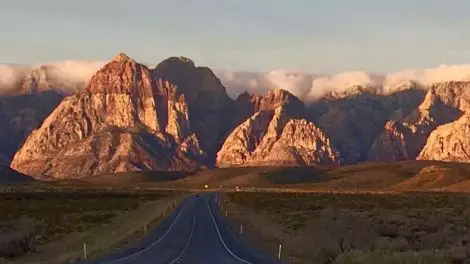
(279, 251)
(84, 250)
(241, 229)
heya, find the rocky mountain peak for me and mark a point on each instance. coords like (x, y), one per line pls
(407, 84)
(278, 97)
(352, 91)
(247, 104)
(272, 100)
(273, 137)
(178, 61)
(453, 94)
(123, 120)
(122, 57)
(122, 75)
(244, 96)
(449, 142)
(183, 73)
(36, 80)
(207, 99)
(409, 135)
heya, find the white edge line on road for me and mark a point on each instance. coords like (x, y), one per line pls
(222, 240)
(187, 242)
(154, 243)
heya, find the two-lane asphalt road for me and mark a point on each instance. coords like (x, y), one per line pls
(196, 233)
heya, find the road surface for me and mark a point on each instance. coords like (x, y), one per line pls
(196, 233)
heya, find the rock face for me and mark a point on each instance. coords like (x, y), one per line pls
(246, 105)
(275, 135)
(394, 143)
(123, 120)
(208, 104)
(353, 122)
(449, 142)
(405, 139)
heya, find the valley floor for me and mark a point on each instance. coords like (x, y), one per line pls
(344, 228)
(364, 177)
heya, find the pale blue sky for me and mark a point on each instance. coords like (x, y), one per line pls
(308, 35)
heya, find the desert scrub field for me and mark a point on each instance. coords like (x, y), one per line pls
(359, 228)
(29, 219)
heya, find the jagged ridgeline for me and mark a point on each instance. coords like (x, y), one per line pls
(178, 116)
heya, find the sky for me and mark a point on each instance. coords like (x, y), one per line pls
(316, 36)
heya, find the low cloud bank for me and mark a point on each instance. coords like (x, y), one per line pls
(306, 86)
(65, 76)
(309, 87)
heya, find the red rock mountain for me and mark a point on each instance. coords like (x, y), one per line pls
(275, 134)
(405, 139)
(174, 117)
(353, 122)
(114, 125)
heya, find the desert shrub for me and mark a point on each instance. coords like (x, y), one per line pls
(17, 242)
(361, 257)
(335, 232)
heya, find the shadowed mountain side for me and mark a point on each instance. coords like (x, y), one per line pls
(207, 99)
(9, 176)
(405, 138)
(354, 122)
(19, 116)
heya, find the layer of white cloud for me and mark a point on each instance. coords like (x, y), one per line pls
(309, 87)
(66, 75)
(306, 86)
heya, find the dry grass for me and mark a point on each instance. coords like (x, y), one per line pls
(53, 226)
(358, 228)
